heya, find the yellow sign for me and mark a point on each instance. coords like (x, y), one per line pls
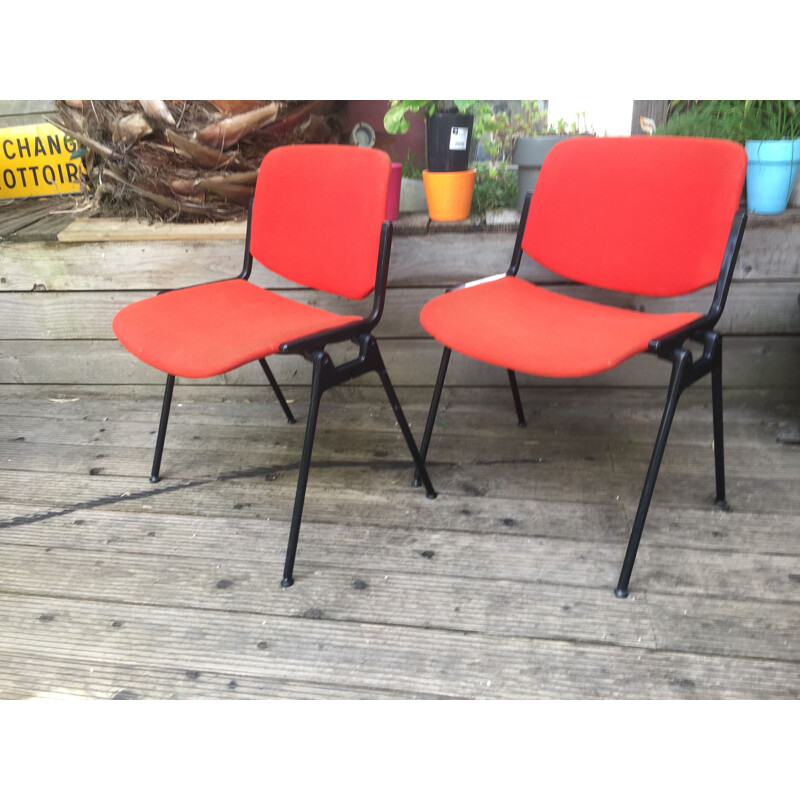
(37, 160)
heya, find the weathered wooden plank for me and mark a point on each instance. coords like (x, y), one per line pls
(145, 266)
(500, 607)
(42, 443)
(752, 417)
(759, 255)
(24, 213)
(754, 309)
(551, 550)
(750, 362)
(82, 512)
(609, 446)
(43, 229)
(22, 678)
(390, 467)
(597, 422)
(485, 478)
(718, 626)
(757, 407)
(25, 118)
(88, 315)
(566, 441)
(385, 499)
(206, 427)
(247, 513)
(357, 592)
(769, 252)
(746, 489)
(374, 656)
(247, 447)
(10, 107)
(440, 260)
(151, 265)
(383, 502)
(545, 467)
(131, 230)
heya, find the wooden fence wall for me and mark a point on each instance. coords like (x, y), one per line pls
(57, 300)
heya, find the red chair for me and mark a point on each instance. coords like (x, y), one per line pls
(318, 219)
(655, 216)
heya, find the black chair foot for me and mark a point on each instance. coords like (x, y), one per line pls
(621, 592)
(431, 496)
(287, 582)
(154, 479)
(722, 504)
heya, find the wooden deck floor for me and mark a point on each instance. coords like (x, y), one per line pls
(502, 587)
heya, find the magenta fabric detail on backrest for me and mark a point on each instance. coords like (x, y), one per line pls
(643, 214)
(317, 215)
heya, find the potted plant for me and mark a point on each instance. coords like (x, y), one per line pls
(773, 153)
(448, 181)
(770, 132)
(533, 139)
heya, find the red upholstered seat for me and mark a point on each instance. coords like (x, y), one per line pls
(231, 323)
(543, 333)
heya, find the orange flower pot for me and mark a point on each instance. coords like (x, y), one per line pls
(449, 194)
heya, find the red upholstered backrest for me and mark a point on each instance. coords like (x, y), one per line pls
(317, 215)
(645, 214)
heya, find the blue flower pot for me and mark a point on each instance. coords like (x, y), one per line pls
(771, 172)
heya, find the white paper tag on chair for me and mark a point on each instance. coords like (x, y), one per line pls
(458, 138)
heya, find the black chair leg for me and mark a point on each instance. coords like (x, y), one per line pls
(719, 445)
(325, 376)
(305, 464)
(512, 379)
(277, 389)
(680, 365)
(437, 394)
(162, 429)
(402, 422)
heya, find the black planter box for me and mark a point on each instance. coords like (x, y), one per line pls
(449, 141)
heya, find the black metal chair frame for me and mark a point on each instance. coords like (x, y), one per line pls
(325, 376)
(685, 372)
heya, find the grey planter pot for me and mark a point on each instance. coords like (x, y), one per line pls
(528, 155)
(412, 196)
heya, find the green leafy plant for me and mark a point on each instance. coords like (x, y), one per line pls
(738, 120)
(395, 122)
(530, 120)
(500, 133)
(410, 169)
(495, 187)
(574, 128)
(490, 129)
